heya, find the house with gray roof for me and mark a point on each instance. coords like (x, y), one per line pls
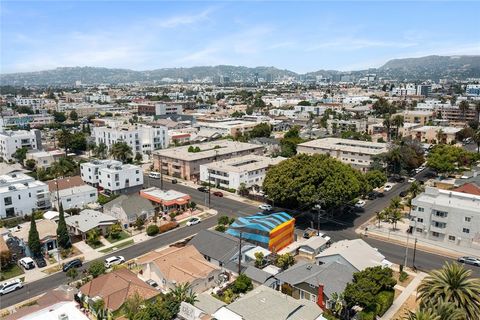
(260, 277)
(87, 220)
(128, 208)
(315, 282)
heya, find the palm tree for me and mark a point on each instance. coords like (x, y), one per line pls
(380, 216)
(464, 106)
(476, 139)
(183, 292)
(397, 121)
(447, 311)
(339, 306)
(452, 284)
(396, 203)
(422, 315)
(387, 123)
(121, 151)
(415, 189)
(101, 150)
(64, 137)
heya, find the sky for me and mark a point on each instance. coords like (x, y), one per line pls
(299, 36)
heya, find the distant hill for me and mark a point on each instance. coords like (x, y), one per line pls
(411, 69)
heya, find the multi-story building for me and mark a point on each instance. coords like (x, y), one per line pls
(184, 162)
(337, 126)
(22, 120)
(20, 195)
(447, 216)
(72, 192)
(159, 109)
(414, 116)
(424, 90)
(112, 176)
(35, 103)
(231, 173)
(11, 141)
(435, 134)
(473, 90)
(455, 114)
(227, 127)
(142, 139)
(316, 110)
(45, 159)
(356, 153)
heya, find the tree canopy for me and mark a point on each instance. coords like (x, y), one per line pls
(447, 158)
(261, 130)
(63, 238)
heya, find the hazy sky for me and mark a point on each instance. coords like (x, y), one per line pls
(300, 36)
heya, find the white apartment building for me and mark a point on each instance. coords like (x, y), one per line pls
(35, 103)
(316, 110)
(227, 127)
(10, 141)
(337, 125)
(447, 216)
(356, 153)
(142, 139)
(112, 176)
(20, 195)
(75, 197)
(231, 173)
(163, 109)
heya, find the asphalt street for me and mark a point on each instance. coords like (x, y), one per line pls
(339, 228)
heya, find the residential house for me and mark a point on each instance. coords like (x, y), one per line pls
(166, 201)
(72, 192)
(315, 283)
(260, 277)
(47, 232)
(115, 287)
(87, 220)
(11, 141)
(173, 266)
(45, 159)
(128, 208)
(436, 134)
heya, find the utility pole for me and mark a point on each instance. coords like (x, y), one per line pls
(209, 187)
(414, 251)
(161, 174)
(406, 249)
(58, 197)
(240, 254)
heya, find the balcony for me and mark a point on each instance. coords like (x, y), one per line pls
(438, 229)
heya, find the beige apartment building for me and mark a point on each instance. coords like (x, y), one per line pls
(356, 153)
(181, 163)
(417, 116)
(435, 134)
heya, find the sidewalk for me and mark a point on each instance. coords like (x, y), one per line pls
(400, 236)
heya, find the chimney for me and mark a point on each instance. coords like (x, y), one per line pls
(320, 302)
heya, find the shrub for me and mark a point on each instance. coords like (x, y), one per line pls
(366, 315)
(242, 284)
(403, 276)
(223, 220)
(96, 268)
(384, 301)
(220, 228)
(152, 230)
(168, 226)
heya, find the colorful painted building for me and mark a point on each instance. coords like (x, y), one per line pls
(273, 231)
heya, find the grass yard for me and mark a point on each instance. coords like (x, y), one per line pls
(123, 235)
(118, 246)
(10, 272)
(97, 245)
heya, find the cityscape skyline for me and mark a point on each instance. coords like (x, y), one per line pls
(287, 36)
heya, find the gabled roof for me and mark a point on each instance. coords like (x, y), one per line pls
(257, 275)
(65, 183)
(180, 264)
(133, 205)
(470, 188)
(333, 275)
(115, 287)
(89, 219)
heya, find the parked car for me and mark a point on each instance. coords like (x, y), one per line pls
(27, 263)
(193, 221)
(75, 263)
(202, 189)
(387, 187)
(309, 232)
(372, 195)
(154, 175)
(470, 260)
(360, 204)
(112, 261)
(265, 207)
(380, 194)
(404, 193)
(10, 286)
(152, 283)
(411, 180)
(218, 194)
(174, 181)
(40, 261)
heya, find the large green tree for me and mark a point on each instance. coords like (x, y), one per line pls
(261, 130)
(63, 238)
(447, 158)
(306, 180)
(33, 238)
(20, 154)
(121, 151)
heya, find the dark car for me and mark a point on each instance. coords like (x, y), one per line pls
(380, 194)
(218, 194)
(174, 181)
(40, 261)
(202, 189)
(404, 193)
(372, 195)
(75, 263)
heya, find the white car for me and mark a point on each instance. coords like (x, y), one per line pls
(193, 221)
(360, 204)
(387, 187)
(112, 261)
(10, 286)
(27, 263)
(265, 207)
(411, 180)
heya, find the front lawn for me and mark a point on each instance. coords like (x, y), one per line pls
(118, 246)
(122, 235)
(95, 245)
(12, 271)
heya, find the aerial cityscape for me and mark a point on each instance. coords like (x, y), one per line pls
(239, 160)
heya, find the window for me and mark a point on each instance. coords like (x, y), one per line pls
(468, 219)
(19, 198)
(419, 229)
(420, 209)
(210, 279)
(451, 238)
(435, 234)
(466, 230)
(69, 200)
(8, 201)
(92, 195)
(420, 219)
(441, 214)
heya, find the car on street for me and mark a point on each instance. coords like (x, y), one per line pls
(154, 175)
(218, 194)
(360, 204)
(10, 286)
(404, 193)
(40, 261)
(202, 189)
(75, 263)
(387, 187)
(27, 263)
(152, 283)
(112, 261)
(411, 180)
(372, 195)
(380, 194)
(265, 207)
(193, 221)
(174, 181)
(470, 260)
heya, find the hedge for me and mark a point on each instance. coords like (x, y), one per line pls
(384, 301)
(366, 315)
(152, 230)
(168, 226)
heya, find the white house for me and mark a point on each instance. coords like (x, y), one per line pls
(20, 194)
(89, 171)
(10, 141)
(447, 216)
(112, 176)
(75, 197)
(45, 159)
(231, 173)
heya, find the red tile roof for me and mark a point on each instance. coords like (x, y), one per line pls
(469, 188)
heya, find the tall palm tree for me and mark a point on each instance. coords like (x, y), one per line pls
(380, 216)
(422, 315)
(387, 123)
(464, 106)
(397, 122)
(452, 284)
(121, 151)
(415, 189)
(476, 139)
(394, 216)
(183, 292)
(396, 203)
(101, 150)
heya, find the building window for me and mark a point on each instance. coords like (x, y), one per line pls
(419, 229)
(19, 198)
(420, 219)
(69, 200)
(8, 201)
(468, 219)
(92, 195)
(451, 238)
(210, 279)
(441, 214)
(435, 234)
(466, 230)
(420, 209)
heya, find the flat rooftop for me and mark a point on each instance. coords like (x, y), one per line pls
(438, 128)
(245, 163)
(346, 145)
(164, 195)
(207, 150)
